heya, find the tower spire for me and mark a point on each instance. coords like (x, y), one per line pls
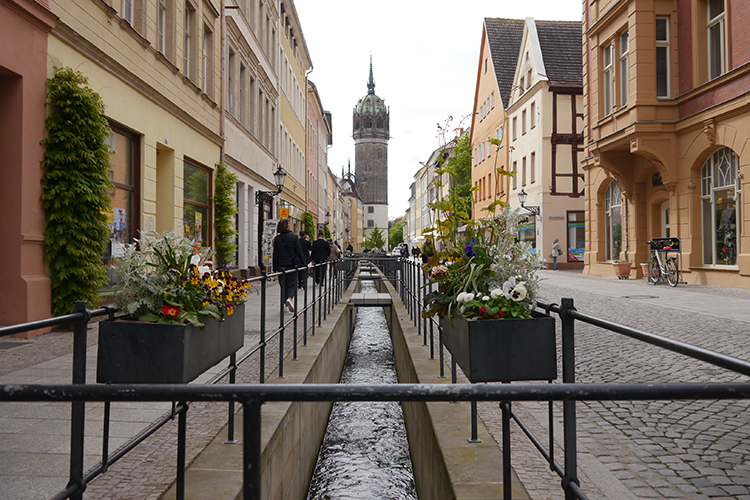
(371, 82)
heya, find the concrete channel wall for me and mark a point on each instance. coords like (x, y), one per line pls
(446, 465)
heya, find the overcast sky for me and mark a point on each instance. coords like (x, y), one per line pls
(425, 55)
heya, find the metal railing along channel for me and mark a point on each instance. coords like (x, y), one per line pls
(410, 282)
(317, 299)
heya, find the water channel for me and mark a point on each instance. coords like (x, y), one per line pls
(365, 452)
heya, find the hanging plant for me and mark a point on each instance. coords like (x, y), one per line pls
(74, 190)
(225, 210)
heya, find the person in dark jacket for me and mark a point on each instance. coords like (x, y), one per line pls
(287, 254)
(304, 242)
(320, 252)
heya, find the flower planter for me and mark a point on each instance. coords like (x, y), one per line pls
(644, 270)
(149, 353)
(503, 350)
(622, 270)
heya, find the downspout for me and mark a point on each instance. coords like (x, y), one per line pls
(222, 86)
(307, 134)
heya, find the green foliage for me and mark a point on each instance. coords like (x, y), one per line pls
(225, 210)
(74, 190)
(310, 225)
(376, 240)
(326, 231)
(396, 234)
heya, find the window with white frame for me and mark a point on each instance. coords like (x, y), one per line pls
(189, 41)
(662, 57)
(207, 61)
(607, 79)
(515, 127)
(499, 136)
(231, 80)
(716, 45)
(624, 69)
(532, 167)
(127, 11)
(161, 26)
(492, 100)
(489, 146)
(523, 171)
(613, 221)
(721, 201)
(532, 115)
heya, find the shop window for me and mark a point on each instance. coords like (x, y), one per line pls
(720, 202)
(527, 231)
(613, 221)
(576, 236)
(196, 218)
(122, 218)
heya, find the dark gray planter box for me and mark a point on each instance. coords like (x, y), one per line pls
(133, 352)
(503, 350)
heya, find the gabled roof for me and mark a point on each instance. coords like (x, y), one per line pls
(562, 50)
(504, 38)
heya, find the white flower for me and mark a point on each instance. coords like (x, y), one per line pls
(497, 292)
(470, 297)
(486, 298)
(195, 260)
(203, 270)
(461, 298)
(519, 292)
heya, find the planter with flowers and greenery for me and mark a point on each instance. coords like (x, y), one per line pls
(181, 317)
(483, 284)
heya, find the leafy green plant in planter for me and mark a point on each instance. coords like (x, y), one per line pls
(74, 193)
(224, 211)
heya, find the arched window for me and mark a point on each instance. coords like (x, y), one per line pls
(613, 220)
(380, 122)
(721, 202)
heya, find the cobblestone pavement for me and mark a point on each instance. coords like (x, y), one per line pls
(645, 449)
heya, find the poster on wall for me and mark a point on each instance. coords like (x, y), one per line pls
(199, 227)
(269, 232)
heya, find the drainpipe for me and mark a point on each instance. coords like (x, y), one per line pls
(223, 89)
(307, 97)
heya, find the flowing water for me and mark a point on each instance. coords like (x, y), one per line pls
(365, 453)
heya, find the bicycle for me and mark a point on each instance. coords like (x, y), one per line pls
(667, 269)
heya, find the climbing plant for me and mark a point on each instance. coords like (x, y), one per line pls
(326, 231)
(225, 210)
(310, 225)
(74, 190)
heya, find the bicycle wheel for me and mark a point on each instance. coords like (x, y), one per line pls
(673, 275)
(653, 270)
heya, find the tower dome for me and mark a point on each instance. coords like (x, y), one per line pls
(370, 117)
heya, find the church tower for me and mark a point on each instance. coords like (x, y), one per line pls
(371, 134)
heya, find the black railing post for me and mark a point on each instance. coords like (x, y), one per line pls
(441, 353)
(181, 450)
(315, 285)
(263, 291)
(78, 408)
(569, 407)
(304, 320)
(507, 487)
(432, 337)
(417, 306)
(282, 299)
(251, 478)
(232, 380)
(474, 424)
(295, 278)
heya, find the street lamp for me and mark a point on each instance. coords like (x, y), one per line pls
(532, 209)
(261, 197)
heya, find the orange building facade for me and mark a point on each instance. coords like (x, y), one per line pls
(666, 123)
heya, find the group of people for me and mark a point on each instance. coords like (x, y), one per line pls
(427, 251)
(291, 251)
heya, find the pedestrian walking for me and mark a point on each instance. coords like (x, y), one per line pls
(556, 252)
(304, 242)
(428, 250)
(287, 254)
(320, 252)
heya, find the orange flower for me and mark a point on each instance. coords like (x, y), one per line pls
(230, 309)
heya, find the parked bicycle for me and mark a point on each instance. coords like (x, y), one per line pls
(662, 266)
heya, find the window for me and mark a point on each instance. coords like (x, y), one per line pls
(196, 198)
(189, 42)
(532, 167)
(662, 57)
(243, 94)
(528, 78)
(523, 122)
(122, 218)
(607, 79)
(532, 114)
(489, 147)
(485, 65)
(207, 60)
(475, 157)
(499, 135)
(127, 11)
(523, 171)
(492, 100)
(624, 70)
(576, 236)
(515, 174)
(527, 231)
(161, 26)
(515, 123)
(521, 85)
(613, 221)
(370, 210)
(715, 38)
(231, 80)
(721, 201)
(370, 223)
